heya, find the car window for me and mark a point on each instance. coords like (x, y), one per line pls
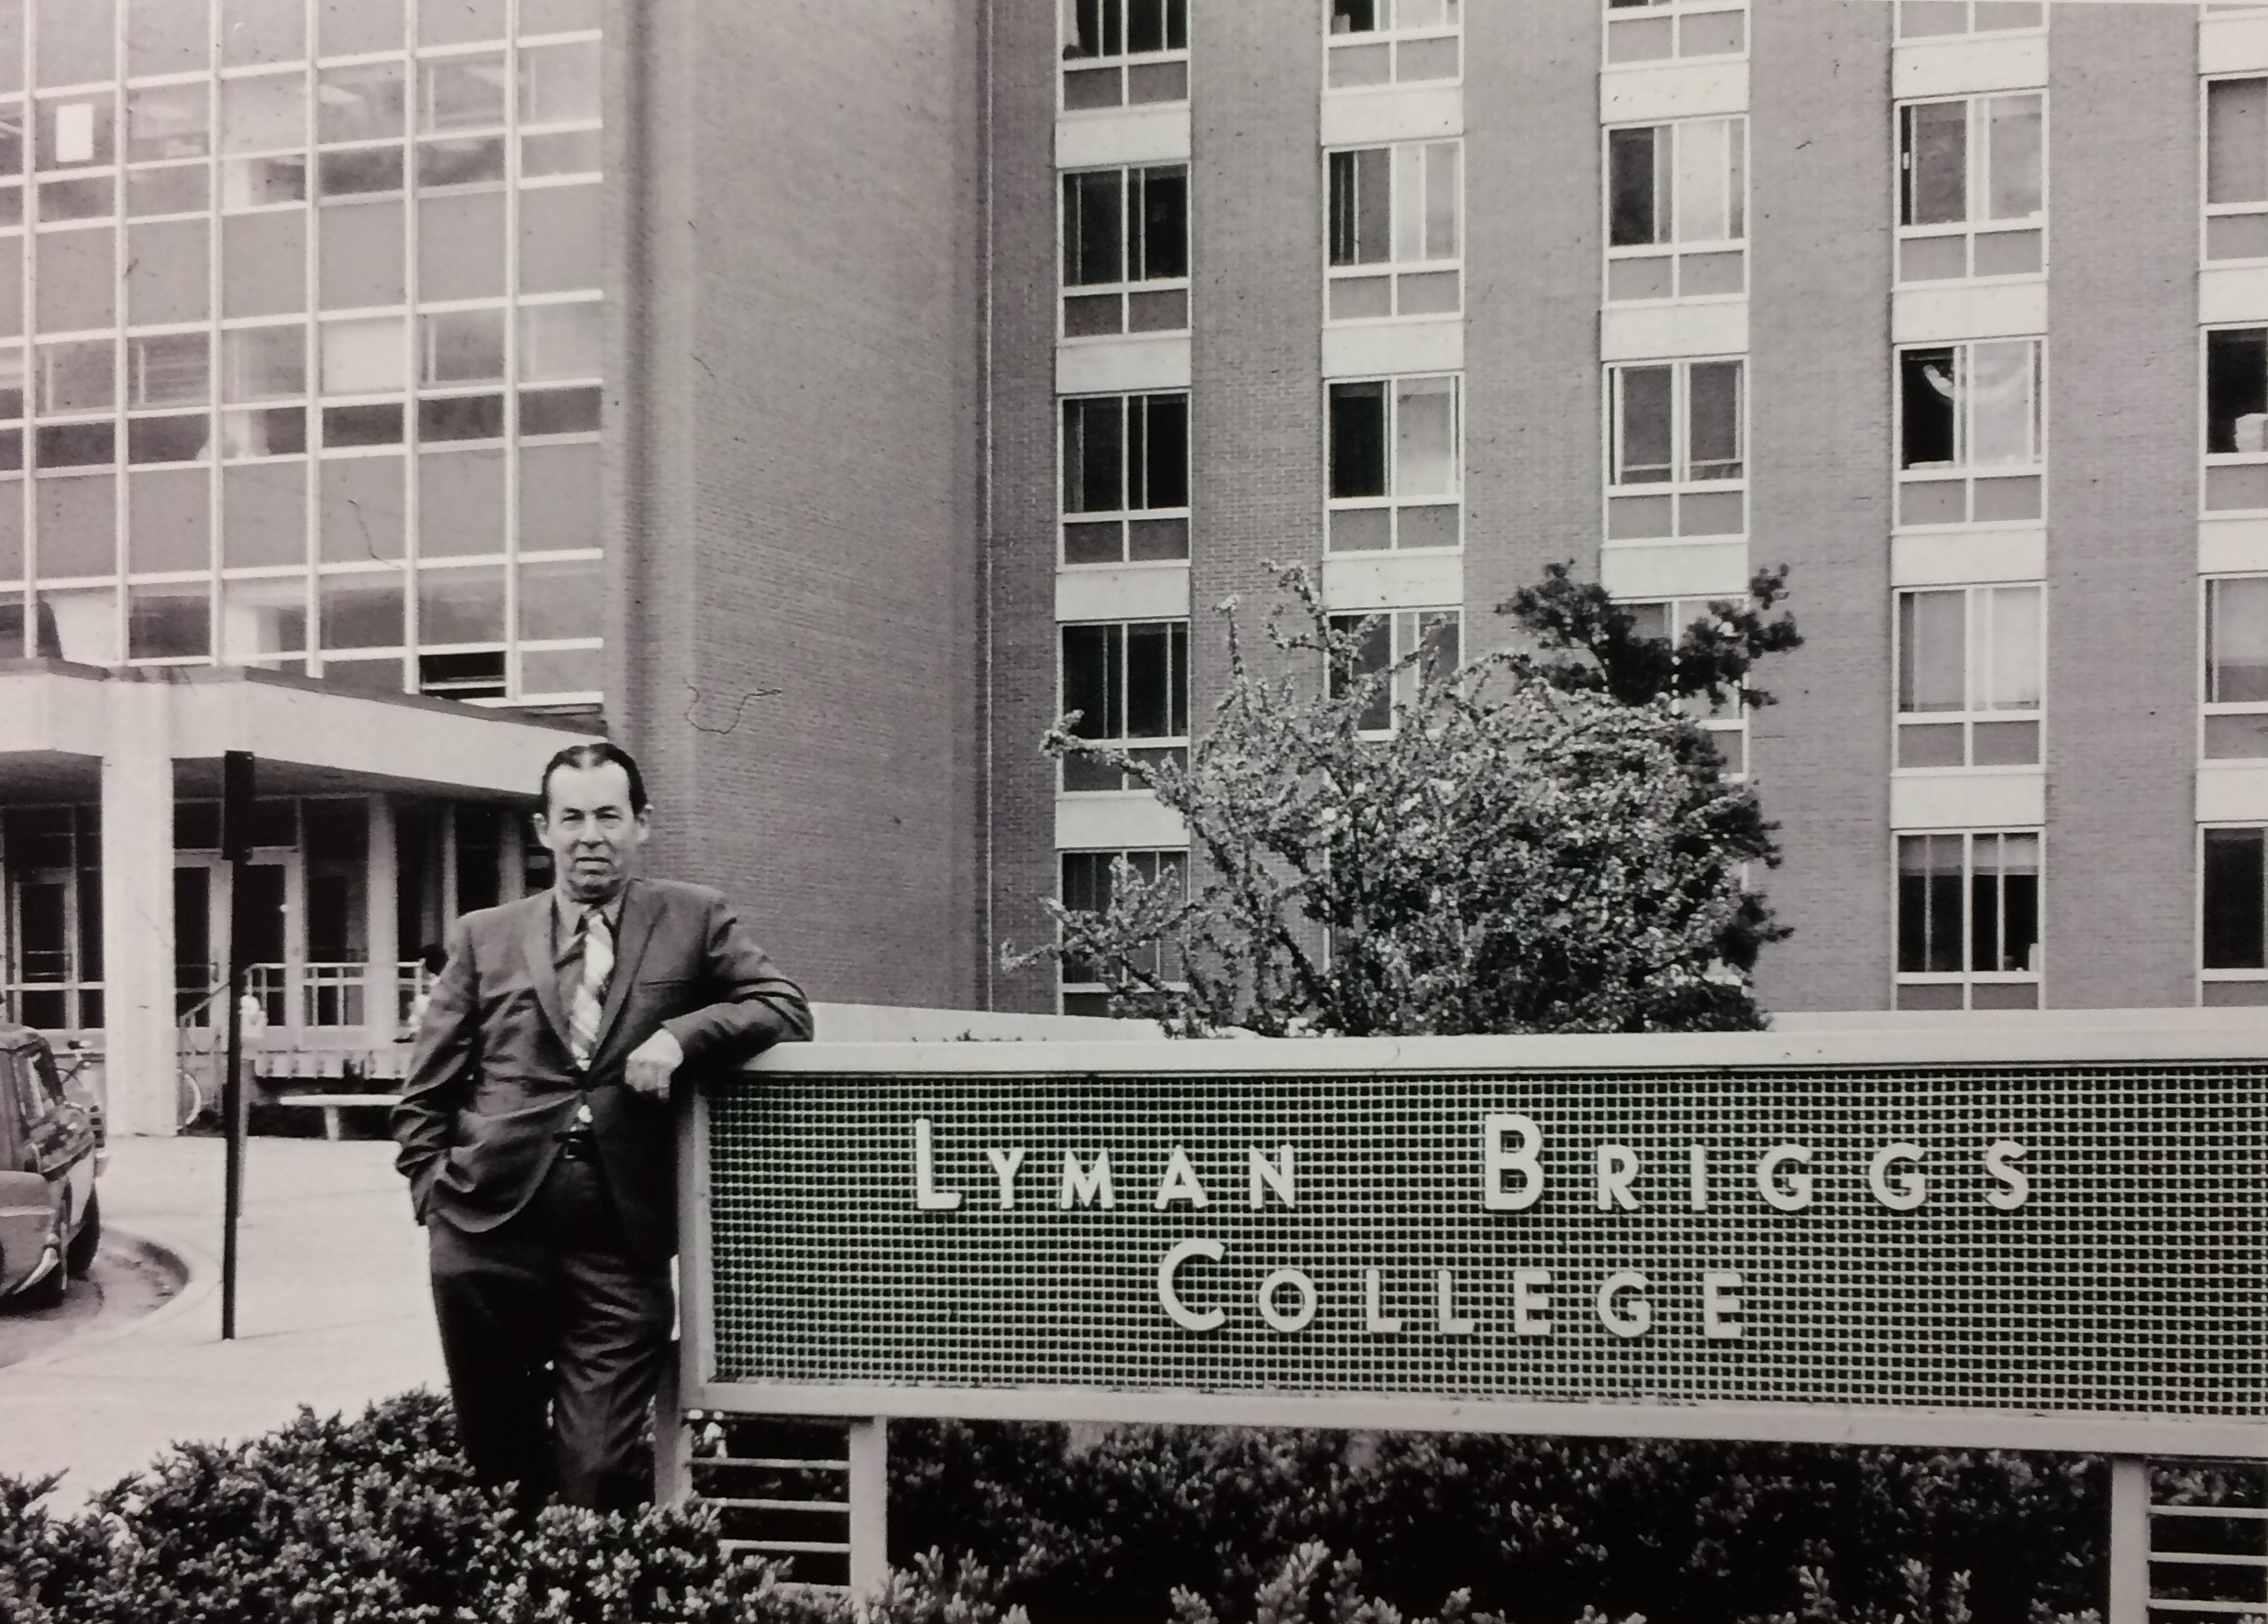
(32, 1104)
(44, 1064)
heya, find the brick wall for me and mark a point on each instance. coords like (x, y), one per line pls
(1022, 653)
(1256, 276)
(1532, 259)
(799, 626)
(1820, 448)
(2122, 445)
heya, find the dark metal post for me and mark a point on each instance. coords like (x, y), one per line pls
(236, 840)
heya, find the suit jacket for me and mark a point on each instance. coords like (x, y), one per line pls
(491, 1082)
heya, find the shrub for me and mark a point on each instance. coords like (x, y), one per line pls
(1105, 1526)
(371, 1521)
(378, 1519)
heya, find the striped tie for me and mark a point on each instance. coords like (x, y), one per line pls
(598, 963)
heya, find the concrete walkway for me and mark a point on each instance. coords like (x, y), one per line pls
(332, 1311)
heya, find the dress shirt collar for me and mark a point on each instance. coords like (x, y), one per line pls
(567, 914)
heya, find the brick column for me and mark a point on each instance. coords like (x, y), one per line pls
(1820, 213)
(2122, 426)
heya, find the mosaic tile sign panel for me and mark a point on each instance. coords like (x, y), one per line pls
(2081, 1239)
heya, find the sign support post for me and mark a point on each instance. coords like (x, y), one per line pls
(869, 1503)
(235, 837)
(2129, 1541)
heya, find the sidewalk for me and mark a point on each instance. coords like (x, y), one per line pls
(332, 1310)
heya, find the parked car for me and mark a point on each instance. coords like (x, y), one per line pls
(52, 1150)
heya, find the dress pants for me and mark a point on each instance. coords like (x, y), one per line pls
(554, 1336)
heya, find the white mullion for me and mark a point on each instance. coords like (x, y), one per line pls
(510, 544)
(216, 413)
(121, 506)
(413, 324)
(35, 389)
(311, 483)
(27, 508)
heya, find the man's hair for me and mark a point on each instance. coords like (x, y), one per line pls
(597, 754)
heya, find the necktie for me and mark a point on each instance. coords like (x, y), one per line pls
(598, 965)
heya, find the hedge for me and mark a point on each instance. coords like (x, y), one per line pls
(334, 1521)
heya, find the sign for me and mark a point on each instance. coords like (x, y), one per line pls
(1738, 1236)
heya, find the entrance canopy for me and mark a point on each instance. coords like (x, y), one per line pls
(124, 748)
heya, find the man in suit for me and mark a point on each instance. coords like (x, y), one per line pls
(539, 1142)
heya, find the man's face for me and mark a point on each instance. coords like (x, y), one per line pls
(589, 829)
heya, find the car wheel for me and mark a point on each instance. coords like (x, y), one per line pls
(79, 1256)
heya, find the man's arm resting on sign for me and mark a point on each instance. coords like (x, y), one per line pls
(761, 1007)
(448, 1053)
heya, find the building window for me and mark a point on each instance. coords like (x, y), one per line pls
(2236, 668)
(1089, 880)
(2236, 418)
(1129, 682)
(1726, 723)
(1969, 443)
(52, 857)
(1969, 663)
(1396, 465)
(2236, 169)
(1677, 209)
(2232, 894)
(1393, 41)
(1651, 30)
(1125, 479)
(1430, 640)
(1972, 192)
(1124, 52)
(1126, 251)
(1674, 450)
(1395, 226)
(1968, 921)
(1933, 19)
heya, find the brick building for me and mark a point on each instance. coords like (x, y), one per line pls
(819, 397)
(1955, 307)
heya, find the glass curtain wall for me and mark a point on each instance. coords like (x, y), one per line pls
(300, 339)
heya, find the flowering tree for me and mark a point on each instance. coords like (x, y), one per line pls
(1500, 847)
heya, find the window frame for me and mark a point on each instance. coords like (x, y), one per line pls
(1631, 259)
(2253, 977)
(1976, 182)
(1125, 69)
(1626, 504)
(2233, 482)
(2209, 212)
(1678, 13)
(1407, 631)
(1400, 276)
(1969, 980)
(1126, 515)
(1970, 7)
(1963, 470)
(1171, 744)
(1728, 721)
(1164, 294)
(1979, 648)
(2211, 709)
(1394, 501)
(1089, 990)
(1392, 40)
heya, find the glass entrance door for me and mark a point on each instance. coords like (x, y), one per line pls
(266, 918)
(55, 949)
(200, 944)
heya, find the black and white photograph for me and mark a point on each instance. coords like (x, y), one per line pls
(1134, 812)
